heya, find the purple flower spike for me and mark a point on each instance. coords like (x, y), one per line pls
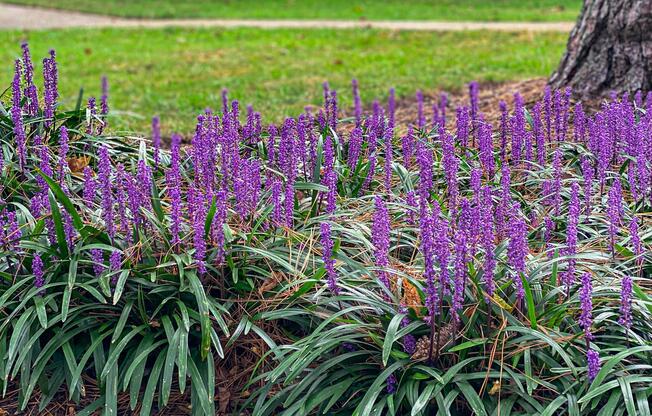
(355, 146)
(409, 341)
(588, 173)
(571, 234)
(92, 112)
(115, 264)
(636, 238)
(504, 131)
(97, 257)
(327, 257)
(487, 237)
(51, 88)
(380, 239)
(626, 302)
(30, 89)
(357, 103)
(586, 305)
(392, 384)
(614, 213)
(104, 176)
(277, 211)
(17, 119)
(461, 271)
(593, 363)
(37, 271)
(173, 181)
(517, 248)
(474, 90)
(421, 119)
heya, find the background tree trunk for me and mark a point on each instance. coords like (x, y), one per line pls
(610, 48)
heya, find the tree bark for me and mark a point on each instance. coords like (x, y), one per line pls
(610, 49)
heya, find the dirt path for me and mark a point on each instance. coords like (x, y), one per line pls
(19, 17)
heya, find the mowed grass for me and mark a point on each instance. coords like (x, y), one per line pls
(177, 73)
(481, 10)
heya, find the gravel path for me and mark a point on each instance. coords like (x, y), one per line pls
(19, 17)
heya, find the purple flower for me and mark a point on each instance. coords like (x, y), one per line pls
(97, 257)
(380, 239)
(443, 103)
(636, 238)
(330, 176)
(407, 146)
(451, 165)
(277, 210)
(17, 119)
(90, 185)
(586, 305)
(121, 201)
(626, 302)
(424, 159)
(13, 230)
(614, 212)
(38, 272)
(487, 239)
(104, 176)
(92, 113)
(217, 230)
(357, 103)
(461, 271)
(537, 131)
(392, 384)
(391, 108)
(547, 235)
(485, 144)
(411, 202)
(579, 126)
(518, 129)
(421, 119)
(173, 182)
(473, 95)
(225, 101)
(571, 233)
(156, 138)
(115, 263)
(104, 99)
(588, 173)
(355, 147)
(462, 126)
(409, 341)
(332, 110)
(556, 184)
(51, 89)
(198, 217)
(517, 248)
(593, 363)
(104, 105)
(388, 160)
(427, 247)
(30, 89)
(547, 112)
(327, 257)
(504, 130)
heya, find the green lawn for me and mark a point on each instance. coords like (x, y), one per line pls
(481, 10)
(178, 72)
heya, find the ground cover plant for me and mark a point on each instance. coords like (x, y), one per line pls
(499, 10)
(178, 72)
(450, 266)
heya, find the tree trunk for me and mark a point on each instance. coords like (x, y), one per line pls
(610, 49)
